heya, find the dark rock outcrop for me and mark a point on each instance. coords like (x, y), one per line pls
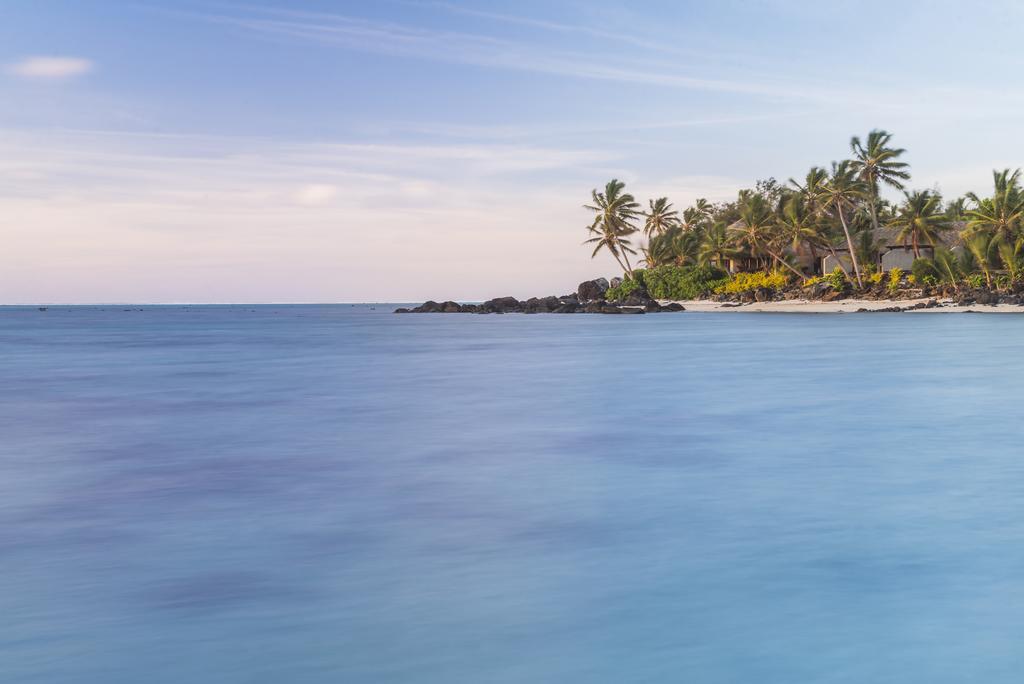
(592, 290)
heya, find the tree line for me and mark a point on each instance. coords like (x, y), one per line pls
(837, 211)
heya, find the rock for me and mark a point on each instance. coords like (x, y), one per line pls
(987, 298)
(832, 296)
(1010, 299)
(673, 306)
(593, 307)
(730, 305)
(403, 310)
(592, 290)
(429, 306)
(615, 282)
(502, 304)
(651, 306)
(632, 310)
(609, 309)
(635, 300)
(762, 294)
(450, 307)
(566, 308)
(819, 290)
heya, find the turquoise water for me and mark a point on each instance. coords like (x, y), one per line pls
(338, 494)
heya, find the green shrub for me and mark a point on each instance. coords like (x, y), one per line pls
(682, 282)
(623, 290)
(975, 280)
(837, 279)
(748, 282)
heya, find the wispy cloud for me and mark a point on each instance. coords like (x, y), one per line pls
(483, 50)
(50, 68)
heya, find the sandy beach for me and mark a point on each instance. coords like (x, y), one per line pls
(843, 306)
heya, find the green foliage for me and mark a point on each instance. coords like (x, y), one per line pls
(627, 287)
(895, 276)
(748, 282)
(922, 267)
(837, 279)
(1004, 281)
(681, 282)
(975, 280)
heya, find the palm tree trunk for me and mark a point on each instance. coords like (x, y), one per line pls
(849, 245)
(786, 264)
(615, 254)
(629, 269)
(874, 213)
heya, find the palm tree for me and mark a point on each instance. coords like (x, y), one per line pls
(698, 215)
(798, 226)
(814, 181)
(838, 195)
(920, 219)
(717, 245)
(616, 212)
(758, 230)
(1010, 255)
(984, 248)
(875, 163)
(1001, 214)
(956, 209)
(660, 217)
(675, 245)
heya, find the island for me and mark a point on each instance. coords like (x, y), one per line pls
(829, 242)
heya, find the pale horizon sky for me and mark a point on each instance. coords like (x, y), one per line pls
(315, 151)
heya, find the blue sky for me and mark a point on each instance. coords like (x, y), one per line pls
(387, 150)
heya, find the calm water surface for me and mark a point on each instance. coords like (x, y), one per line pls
(337, 494)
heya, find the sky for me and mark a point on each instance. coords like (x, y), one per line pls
(403, 150)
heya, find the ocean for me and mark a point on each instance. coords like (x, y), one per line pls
(314, 494)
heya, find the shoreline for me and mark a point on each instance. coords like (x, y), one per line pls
(809, 306)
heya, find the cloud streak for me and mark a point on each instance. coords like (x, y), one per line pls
(487, 51)
(50, 68)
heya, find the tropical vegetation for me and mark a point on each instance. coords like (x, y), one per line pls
(833, 226)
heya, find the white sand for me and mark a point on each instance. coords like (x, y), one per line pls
(842, 306)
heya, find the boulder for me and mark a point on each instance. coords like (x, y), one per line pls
(593, 307)
(987, 298)
(819, 290)
(609, 309)
(615, 282)
(674, 306)
(632, 310)
(568, 307)
(651, 306)
(450, 307)
(429, 306)
(592, 290)
(502, 304)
